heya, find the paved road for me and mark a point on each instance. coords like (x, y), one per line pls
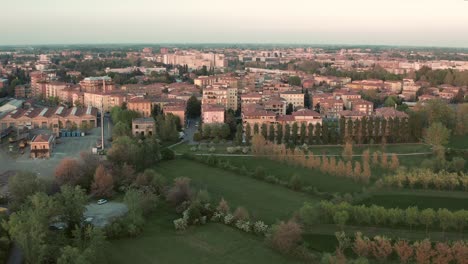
(327, 155)
(190, 130)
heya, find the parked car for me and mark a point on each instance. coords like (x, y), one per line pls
(101, 201)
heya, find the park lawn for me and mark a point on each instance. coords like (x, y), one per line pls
(211, 243)
(264, 201)
(310, 177)
(421, 198)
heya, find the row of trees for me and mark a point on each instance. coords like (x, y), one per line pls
(361, 171)
(344, 213)
(425, 179)
(384, 249)
(364, 131)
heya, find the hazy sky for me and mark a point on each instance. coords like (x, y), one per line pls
(397, 22)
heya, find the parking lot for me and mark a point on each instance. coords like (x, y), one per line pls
(70, 147)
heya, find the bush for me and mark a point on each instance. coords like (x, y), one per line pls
(228, 219)
(223, 207)
(259, 172)
(243, 225)
(295, 182)
(241, 214)
(230, 150)
(180, 192)
(217, 217)
(180, 224)
(167, 154)
(212, 149)
(286, 237)
(260, 227)
(197, 136)
(193, 149)
(245, 150)
(271, 179)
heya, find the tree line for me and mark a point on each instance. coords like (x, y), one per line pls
(344, 213)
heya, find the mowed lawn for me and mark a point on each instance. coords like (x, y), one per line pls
(264, 201)
(212, 243)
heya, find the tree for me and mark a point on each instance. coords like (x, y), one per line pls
(287, 133)
(446, 218)
(223, 207)
(68, 172)
(310, 134)
(180, 191)
(340, 218)
(279, 134)
(120, 129)
(285, 236)
(444, 253)
(294, 80)
(21, 186)
(271, 133)
(294, 133)
(437, 135)
(427, 217)
(394, 164)
(347, 151)
(289, 109)
(72, 202)
(29, 228)
(403, 250)
(193, 107)
(362, 245)
(103, 182)
(303, 133)
(264, 131)
(381, 248)
(423, 251)
(248, 134)
(307, 102)
(255, 129)
(239, 135)
(411, 216)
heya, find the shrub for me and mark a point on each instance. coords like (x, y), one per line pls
(245, 150)
(230, 150)
(223, 207)
(197, 136)
(212, 149)
(241, 214)
(228, 219)
(217, 217)
(180, 224)
(243, 225)
(295, 182)
(193, 149)
(260, 228)
(271, 179)
(259, 172)
(286, 236)
(167, 154)
(180, 192)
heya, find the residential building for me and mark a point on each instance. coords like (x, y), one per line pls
(389, 112)
(330, 108)
(176, 109)
(212, 114)
(296, 98)
(362, 106)
(220, 94)
(143, 126)
(97, 84)
(140, 105)
(104, 100)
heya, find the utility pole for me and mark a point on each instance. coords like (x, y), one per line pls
(102, 122)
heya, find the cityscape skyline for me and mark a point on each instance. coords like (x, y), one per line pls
(418, 23)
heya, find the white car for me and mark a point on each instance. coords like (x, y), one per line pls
(101, 201)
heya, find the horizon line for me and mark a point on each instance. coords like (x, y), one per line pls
(236, 43)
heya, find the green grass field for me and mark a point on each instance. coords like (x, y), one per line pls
(264, 201)
(314, 178)
(458, 142)
(211, 243)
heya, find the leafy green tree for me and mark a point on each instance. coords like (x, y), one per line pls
(287, 133)
(310, 134)
(427, 217)
(271, 133)
(248, 134)
(294, 80)
(279, 134)
(239, 135)
(340, 218)
(120, 129)
(193, 107)
(21, 186)
(295, 133)
(289, 109)
(264, 131)
(255, 129)
(303, 133)
(411, 216)
(437, 135)
(72, 201)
